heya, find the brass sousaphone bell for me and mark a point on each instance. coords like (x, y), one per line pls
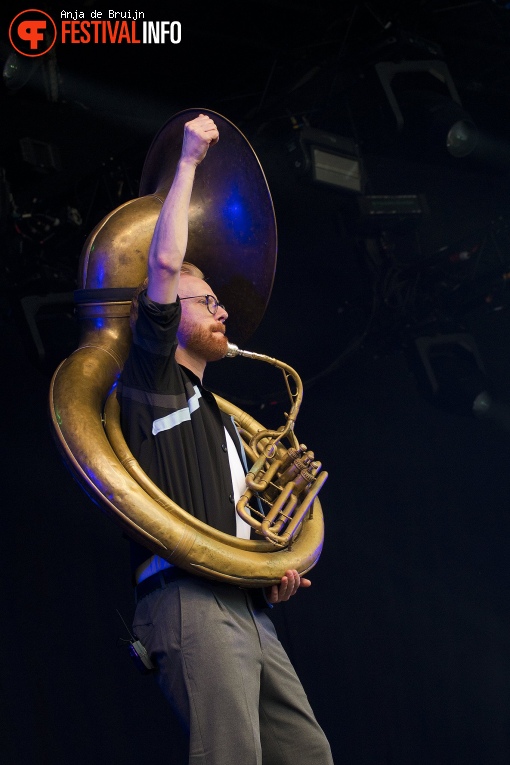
(232, 238)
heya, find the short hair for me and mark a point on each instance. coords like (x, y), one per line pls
(191, 270)
(187, 268)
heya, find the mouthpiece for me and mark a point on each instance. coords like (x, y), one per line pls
(232, 350)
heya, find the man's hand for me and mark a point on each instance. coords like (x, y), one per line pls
(289, 585)
(199, 134)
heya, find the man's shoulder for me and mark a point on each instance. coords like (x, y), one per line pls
(159, 313)
(155, 330)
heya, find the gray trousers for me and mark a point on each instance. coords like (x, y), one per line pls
(224, 671)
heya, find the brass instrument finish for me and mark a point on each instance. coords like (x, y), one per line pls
(280, 478)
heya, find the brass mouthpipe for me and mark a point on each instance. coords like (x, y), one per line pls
(296, 399)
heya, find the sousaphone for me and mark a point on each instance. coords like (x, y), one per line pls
(232, 239)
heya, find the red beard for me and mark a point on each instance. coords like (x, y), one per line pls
(208, 342)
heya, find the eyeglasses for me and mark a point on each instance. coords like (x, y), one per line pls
(209, 300)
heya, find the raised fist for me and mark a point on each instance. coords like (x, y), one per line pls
(199, 134)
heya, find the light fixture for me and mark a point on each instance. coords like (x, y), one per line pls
(328, 158)
(462, 138)
(426, 104)
(41, 74)
(390, 212)
(18, 70)
(443, 122)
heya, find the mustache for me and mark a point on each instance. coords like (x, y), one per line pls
(219, 327)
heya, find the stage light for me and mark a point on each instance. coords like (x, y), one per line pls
(442, 121)
(18, 71)
(427, 106)
(328, 158)
(462, 138)
(41, 74)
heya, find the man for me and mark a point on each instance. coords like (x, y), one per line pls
(217, 656)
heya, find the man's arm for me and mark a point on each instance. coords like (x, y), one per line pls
(170, 238)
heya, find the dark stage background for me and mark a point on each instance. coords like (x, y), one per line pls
(402, 643)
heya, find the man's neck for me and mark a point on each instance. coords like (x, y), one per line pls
(190, 361)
